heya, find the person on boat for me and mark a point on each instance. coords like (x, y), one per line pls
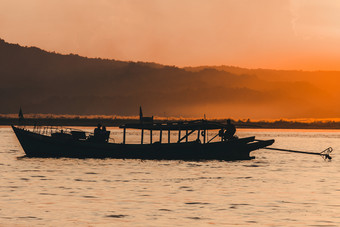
(105, 134)
(98, 130)
(100, 134)
(230, 131)
(221, 133)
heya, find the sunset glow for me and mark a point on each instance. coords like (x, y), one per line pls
(265, 59)
(275, 34)
(169, 112)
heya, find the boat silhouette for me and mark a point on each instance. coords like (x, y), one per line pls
(51, 142)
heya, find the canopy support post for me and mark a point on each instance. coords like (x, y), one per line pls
(142, 136)
(204, 136)
(124, 135)
(179, 135)
(150, 136)
(168, 136)
(186, 135)
(160, 136)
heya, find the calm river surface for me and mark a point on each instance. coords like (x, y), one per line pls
(275, 189)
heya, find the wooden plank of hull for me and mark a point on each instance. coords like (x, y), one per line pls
(36, 145)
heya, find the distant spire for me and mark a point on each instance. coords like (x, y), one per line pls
(21, 115)
(140, 112)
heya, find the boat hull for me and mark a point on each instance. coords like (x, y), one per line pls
(37, 145)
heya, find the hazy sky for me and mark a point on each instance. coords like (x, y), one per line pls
(281, 34)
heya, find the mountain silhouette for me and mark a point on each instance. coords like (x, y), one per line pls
(48, 82)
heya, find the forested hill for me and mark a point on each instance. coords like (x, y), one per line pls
(45, 82)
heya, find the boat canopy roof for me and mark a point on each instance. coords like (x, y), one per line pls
(175, 126)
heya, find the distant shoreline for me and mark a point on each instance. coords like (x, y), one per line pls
(115, 122)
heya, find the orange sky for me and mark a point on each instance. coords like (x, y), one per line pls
(279, 34)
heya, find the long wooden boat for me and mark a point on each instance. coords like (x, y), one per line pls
(75, 144)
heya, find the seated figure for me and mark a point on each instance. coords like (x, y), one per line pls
(97, 130)
(230, 131)
(100, 134)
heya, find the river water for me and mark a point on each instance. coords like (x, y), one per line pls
(274, 189)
